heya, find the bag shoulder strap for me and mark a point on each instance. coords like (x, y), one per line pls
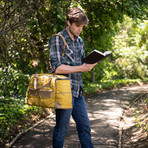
(49, 66)
(63, 41)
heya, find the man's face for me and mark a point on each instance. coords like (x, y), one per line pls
(75, 29)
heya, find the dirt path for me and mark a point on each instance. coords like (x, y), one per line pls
(105, 112)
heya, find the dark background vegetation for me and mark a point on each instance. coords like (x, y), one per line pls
(25, 28)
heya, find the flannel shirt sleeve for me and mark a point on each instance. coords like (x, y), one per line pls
(56, 51)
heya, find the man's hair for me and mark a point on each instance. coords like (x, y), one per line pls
(76, 15)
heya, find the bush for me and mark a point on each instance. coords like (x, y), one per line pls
(13, 114)
(13, 82)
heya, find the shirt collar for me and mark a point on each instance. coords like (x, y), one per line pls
(66, 35)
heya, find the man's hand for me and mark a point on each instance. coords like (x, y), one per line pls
(87, 67)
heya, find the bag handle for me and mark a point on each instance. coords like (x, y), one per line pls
(36, 82)
(52, 79)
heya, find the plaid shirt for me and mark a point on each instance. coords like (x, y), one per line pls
(73, 54)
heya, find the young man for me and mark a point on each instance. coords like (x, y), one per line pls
(71, 65)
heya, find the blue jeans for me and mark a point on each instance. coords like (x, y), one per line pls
(79, 114)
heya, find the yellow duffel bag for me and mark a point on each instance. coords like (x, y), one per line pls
(50, 91)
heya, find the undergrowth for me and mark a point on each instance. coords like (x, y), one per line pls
(15, 117)
(141, 114)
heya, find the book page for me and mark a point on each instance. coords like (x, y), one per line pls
(107, 53)
(98, 51)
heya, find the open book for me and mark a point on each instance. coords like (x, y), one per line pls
(95, 56)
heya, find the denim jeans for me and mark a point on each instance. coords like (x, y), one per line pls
(79, 114)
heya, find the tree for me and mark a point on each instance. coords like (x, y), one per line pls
(130, 49)
(104, 16)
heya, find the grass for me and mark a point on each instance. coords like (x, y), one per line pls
(110, 84)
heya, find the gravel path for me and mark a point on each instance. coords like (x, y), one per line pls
(105, 113)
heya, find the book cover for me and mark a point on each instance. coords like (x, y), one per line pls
(95, 56)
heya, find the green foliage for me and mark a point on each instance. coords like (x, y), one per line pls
(26, 30)
(29, 24)
(13, 82)
(102, 85)
(131, 55)
(13, 113)
(135, 9)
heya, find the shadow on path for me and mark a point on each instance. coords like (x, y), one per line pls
(104, 110)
